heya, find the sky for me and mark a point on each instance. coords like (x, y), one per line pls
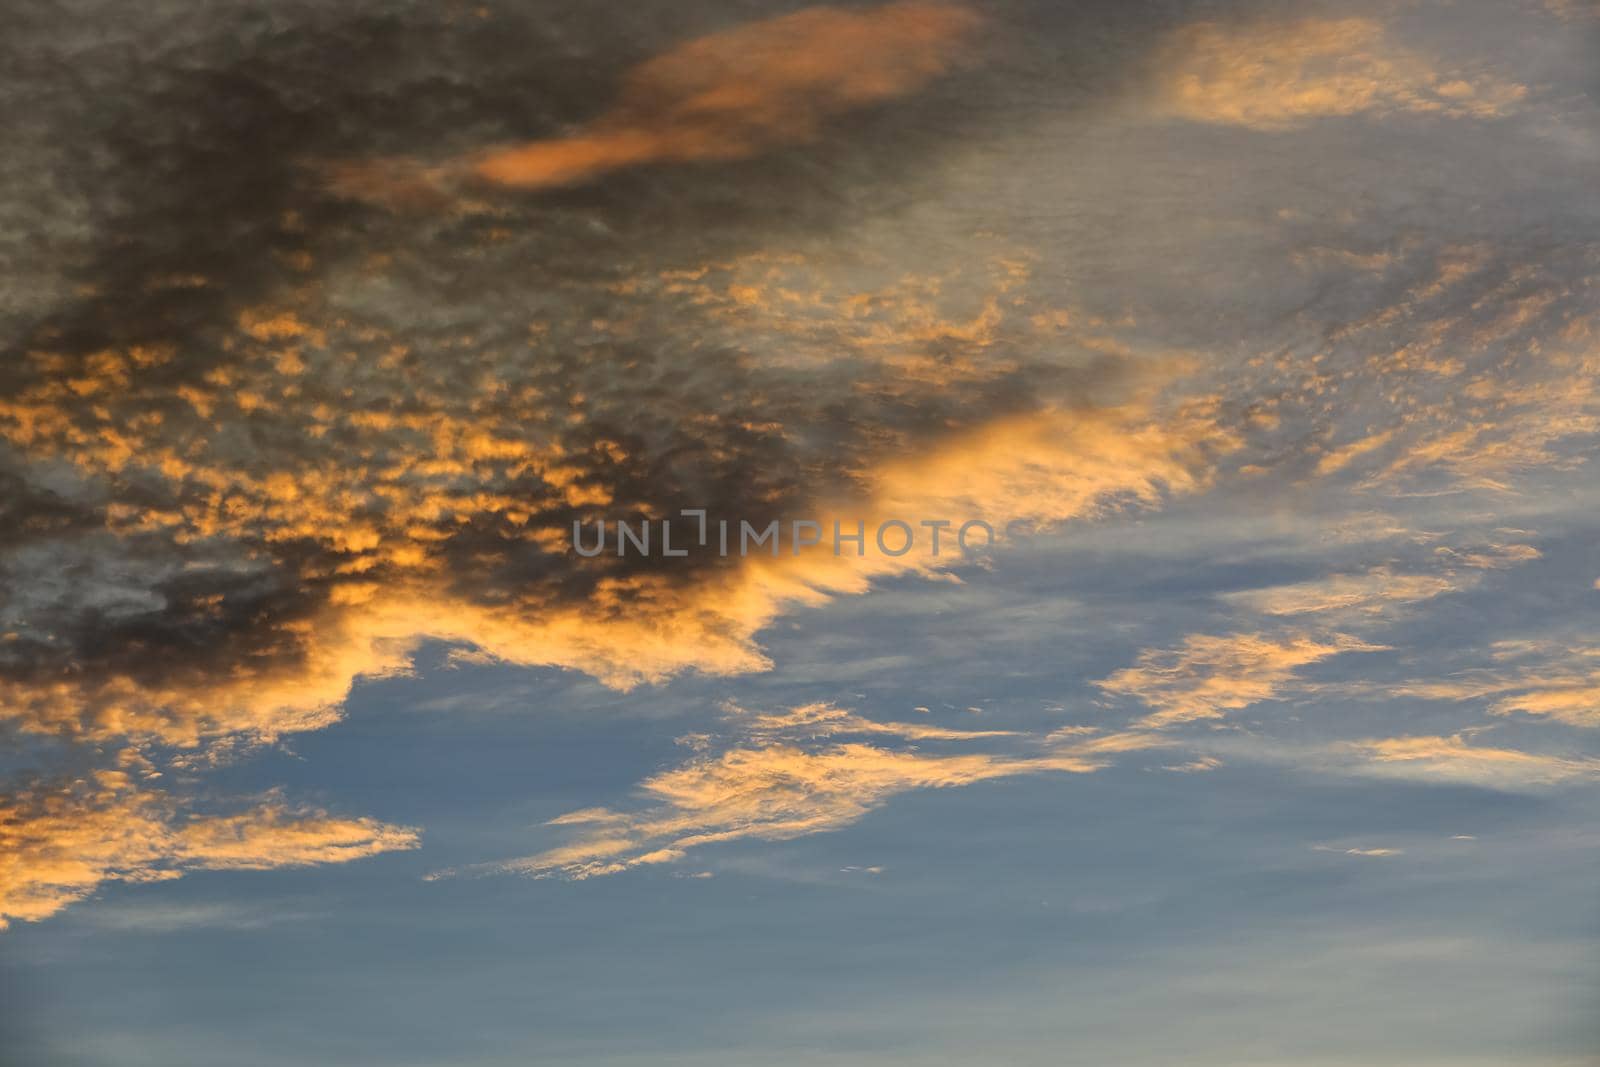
(1263, 337)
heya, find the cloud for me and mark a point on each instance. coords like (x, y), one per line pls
(156, 918)
(826, 720)
(1194, 766)
(1341, 457)
(1373, 593)
(259, 440)
(242, 465)
(782, 777)
(1462, 758)
(726, 96)
(1211, 675)
(257, 450)
(1547, 680)
(1280, 75)
(1469, 369)
(1573, 10)
(1457, 758)
(287, 571)
(61, 840)
(1357, 851)
(1378, 594)
(1525, 425)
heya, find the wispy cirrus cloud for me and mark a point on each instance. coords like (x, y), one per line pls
(1358, 850)
(1374, 593)
(1459, 757)
(826, 720)
(793, 773)
(1210, 675)
(1542, 679)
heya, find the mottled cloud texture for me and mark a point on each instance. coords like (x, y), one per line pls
(1278, 74)
(273, 467)
(324, 325)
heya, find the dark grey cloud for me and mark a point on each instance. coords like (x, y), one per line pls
(177, 200)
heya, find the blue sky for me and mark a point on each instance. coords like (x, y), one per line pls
(1265, 735)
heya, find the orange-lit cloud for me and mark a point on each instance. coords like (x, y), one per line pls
(786, 777)
(1038, 470)
(372, 525)
(1278, 75)
(1525, 426)
(1455, 757)
(1554, 682)
(60, 841)
(1373, 593)
(826, 720)
(1211, 675)
(1476, 374)
(726, 96)
(229, 500)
